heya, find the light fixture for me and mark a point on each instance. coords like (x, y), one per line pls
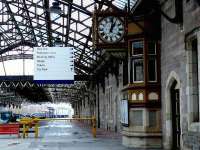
(58, 42)
(55, 8)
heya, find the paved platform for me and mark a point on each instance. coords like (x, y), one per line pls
(63, 135)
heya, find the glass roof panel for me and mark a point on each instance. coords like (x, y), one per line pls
(122, 3)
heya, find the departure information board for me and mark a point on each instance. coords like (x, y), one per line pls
(54, 65)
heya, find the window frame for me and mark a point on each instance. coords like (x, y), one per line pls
(137, 57)
(154, 57)
(156, 71)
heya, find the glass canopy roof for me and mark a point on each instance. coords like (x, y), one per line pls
(25, 24)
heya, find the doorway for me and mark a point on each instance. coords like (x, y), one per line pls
(175, 105)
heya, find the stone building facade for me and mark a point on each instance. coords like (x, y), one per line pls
(109, 102)
(180, 69)
(180, 86)
(104, 98)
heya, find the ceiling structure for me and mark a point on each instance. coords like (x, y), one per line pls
(25, 24)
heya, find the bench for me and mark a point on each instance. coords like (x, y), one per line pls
(13, 128)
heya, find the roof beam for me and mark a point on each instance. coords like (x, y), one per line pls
(83, 67)
(13, 18)
(16, 56)
(68, 23)
(86, 43)
(48, 22)
(30, 22)
(11, 47)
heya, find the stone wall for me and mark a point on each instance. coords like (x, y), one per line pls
(174, 65)
(86, 105)
(106, 103)
(191, 140)
(109, 101)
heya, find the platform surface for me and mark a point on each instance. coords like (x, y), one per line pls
(63, 135)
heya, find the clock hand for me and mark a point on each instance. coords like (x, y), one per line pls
(112, 26)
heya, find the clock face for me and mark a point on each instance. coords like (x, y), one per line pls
(111, 29)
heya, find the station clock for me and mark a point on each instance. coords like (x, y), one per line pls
(109, 29)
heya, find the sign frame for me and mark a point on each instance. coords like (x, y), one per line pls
(53, 65)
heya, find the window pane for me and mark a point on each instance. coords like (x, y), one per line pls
(138, 70)
(152, 69)
(137, 47)
(136, 117)
(152, 48)
(152, 119)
